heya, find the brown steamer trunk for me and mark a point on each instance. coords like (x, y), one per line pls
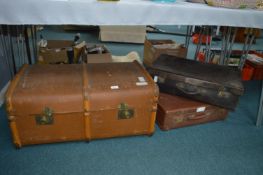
(175, 112)
(57, 103)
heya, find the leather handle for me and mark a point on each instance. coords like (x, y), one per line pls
(187, 89)
(197, 117)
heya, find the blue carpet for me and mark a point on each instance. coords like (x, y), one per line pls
(233, 146)
(230, 147)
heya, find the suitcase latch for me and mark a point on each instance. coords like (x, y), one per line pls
(46, 118)
(125, 112)
(223, 93)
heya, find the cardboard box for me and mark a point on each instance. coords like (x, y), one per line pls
(154, 48)
(130, 57)
(59, 51)
(243, 32)
(126, 34)
(89, 57)
(55, 52)
(78, 50)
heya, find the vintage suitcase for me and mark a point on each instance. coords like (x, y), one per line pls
(57, 103)
(175, 112)
(209, 83)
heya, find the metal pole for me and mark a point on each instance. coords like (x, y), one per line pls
(5, 51)
(210, 44)
(207, 44)
(243, 51)
(229, 31)
(252, 38)
(221, 61)
(23, 44)
(32, 41)
(232, 43)
(27, 46)
(35, 39)
(8, 49)
(249, 41)
(260, 109)
(199, 43)
(19, 55)
(188, 36)
(12, 49)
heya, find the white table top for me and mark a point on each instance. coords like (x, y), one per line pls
(124, 12)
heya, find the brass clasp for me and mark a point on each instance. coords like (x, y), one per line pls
(46, 118)
(125, 112)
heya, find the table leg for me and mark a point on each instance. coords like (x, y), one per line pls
(198, 47)
(260, 108)
(27, 46)
(231, 45)
(188, 37)
(223, 46)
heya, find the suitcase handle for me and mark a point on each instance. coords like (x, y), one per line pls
(194, 117)
(187, 88)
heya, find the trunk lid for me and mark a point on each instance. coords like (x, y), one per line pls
(57, 87)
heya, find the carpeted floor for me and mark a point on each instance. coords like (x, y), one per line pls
(230, 147)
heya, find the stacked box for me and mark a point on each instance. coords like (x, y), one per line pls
(125, 34)
(154, 48)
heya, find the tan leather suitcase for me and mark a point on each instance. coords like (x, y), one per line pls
(57, 103)
(175, 112)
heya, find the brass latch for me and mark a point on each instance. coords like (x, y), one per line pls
(46, 118)
(125, 112)
(222, 93)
